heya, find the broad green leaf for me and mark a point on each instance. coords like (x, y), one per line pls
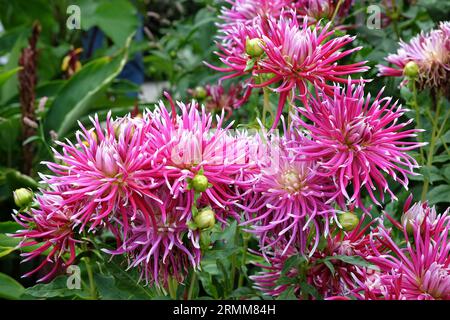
(439, 194)
(10, 288)
(329, 266)
(309, 290)
(117, 19)
(4, 76)
(4, 251)
(9, 226)
(75, 96)
(292, 262)
(127, 281)
(288, 294)
(447, 172)
(355, 260)
(56, 289)
(107, 289)
(9, 87)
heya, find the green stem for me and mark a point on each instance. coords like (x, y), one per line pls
(266, 105)
(434, 136)
(418, 120)
(244, 257)
(172, 288)
(192, 285)
(394, 17)
(234, 261)
(338, 6)
(92, 287)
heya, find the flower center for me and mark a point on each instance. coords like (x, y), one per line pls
(105, 160)
(435, 281)
(291, 181)
(358, 135)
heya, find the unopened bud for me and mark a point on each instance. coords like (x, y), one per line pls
(200, 92)
(93, 136)
(205, 219)
(200, 183)
(348, 221)
(414, 216)
(411, 70)
(253, 47)
(22, 197)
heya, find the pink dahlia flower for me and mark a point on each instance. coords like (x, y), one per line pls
(431, 53)
(320, 9)
(106, 170)
(355, 141)
(331, 279)
(49, 228)
(187, 145)
(288, 199)
(218, 98)
(418, 271)
(166, 247)
(245, 11)
(294, 55)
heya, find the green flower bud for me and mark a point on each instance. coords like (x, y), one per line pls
(200, 92)
(348, 221)
(22, 197)
(205, 219)
(411, 70)
(253, 47)
(200, 182)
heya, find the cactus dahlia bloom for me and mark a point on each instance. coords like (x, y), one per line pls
(105, 170)
(245, 11)
(419, 271)
(319, 9)
(51, 227)
(431, 53)
(218, 99)
(294, 55)
(354, 141)
(186, 145)
(288, 199)
(166, 247)
(337, 280)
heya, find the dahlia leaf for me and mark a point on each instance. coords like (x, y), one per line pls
(439, 194)
(292, 262)
(56, 289)
(4, 76)
(250, 65)
(75, 96)
(127, 280)
(329, 266)
(288, 294)
(309, 290)
(355, 260)
(10, 288)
